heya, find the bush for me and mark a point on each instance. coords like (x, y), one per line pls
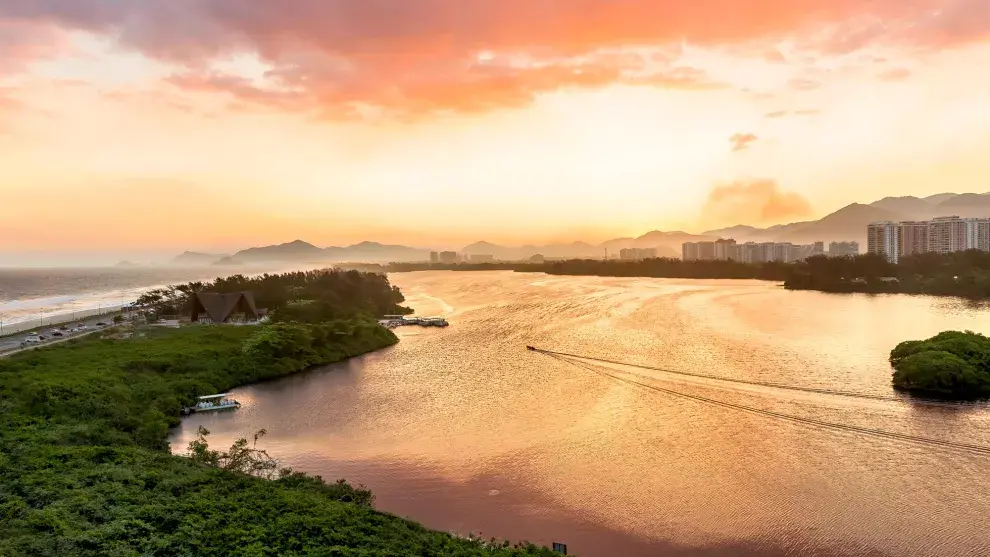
(950, 364)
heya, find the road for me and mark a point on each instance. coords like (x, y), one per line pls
(12, 344)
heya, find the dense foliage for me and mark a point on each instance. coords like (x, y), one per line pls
(964, 273)
(337, 293)
(85, 469)
(951, 364)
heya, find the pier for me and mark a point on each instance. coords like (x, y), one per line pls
(393, 321)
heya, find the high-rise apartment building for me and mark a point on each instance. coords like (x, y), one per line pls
(843, 249)
(434, 257)
(939, 235)
(725, 249)
(912, 237)
(706, 251)
(782, 252)
(983, 235)
(689, 251)
(752, 252)
(949, 234)
(448, 257)
(638, 254)
(881, 238)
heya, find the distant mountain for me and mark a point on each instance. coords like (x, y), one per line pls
(193, 258)
(668, 244)
(908, 206)
(733, 231)
(848, 223)
(939, 197)
(304, 252)
(964, 205)
(373, 252)
(297, 250)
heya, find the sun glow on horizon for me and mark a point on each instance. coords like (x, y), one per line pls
(523, 136)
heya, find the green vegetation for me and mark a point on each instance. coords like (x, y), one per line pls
(951, 364)
(964, 274)
(85, 468)
(330, 293)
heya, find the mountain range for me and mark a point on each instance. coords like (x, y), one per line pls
(848, 223)
(299, 251)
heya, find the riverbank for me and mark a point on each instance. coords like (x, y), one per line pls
(959, 274)
(85, 468)
(462, 429)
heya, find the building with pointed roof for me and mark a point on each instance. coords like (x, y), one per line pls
(219, 307)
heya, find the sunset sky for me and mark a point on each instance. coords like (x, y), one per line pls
(219, 124)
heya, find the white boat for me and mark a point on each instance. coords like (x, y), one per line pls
(210, 403)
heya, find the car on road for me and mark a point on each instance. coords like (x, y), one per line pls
(101, 324)
(57, 334)
(33, 339)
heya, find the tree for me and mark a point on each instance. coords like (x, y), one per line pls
(950, 364)
(241, 458)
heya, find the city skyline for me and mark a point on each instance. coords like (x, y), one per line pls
(441, 122)
(941, 235)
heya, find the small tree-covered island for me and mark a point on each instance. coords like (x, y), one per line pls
(85, 468)
(951, 364)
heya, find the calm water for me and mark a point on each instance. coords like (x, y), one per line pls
(465, 430)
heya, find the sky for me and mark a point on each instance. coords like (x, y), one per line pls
(221, 124)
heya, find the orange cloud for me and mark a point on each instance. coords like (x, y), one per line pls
(425, 55)
(752, 202)
(741, 141)
(896, 74)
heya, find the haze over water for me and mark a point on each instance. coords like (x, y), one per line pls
(464, 429)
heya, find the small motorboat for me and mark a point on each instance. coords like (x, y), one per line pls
(211, 403)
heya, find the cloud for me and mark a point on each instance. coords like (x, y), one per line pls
(742, 141)
(785, 113)
(24, 42)
(757, 202)
(896, 74)
(774, 56)
(413, 56)
(803, 84)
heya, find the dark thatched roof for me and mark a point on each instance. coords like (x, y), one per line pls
(220, 306)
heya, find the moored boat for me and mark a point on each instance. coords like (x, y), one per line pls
(211, 403)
